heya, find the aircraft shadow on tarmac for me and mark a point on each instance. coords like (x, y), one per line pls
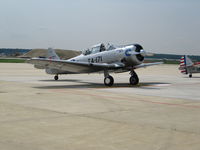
(65, 80)
(192, 77)
(82, 84)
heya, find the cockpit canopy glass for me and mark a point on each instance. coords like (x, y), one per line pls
(95, 49)
(98, 48)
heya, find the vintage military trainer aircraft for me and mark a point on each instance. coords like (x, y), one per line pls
(98, 58)
(188, 67)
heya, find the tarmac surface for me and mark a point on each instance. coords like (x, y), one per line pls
(79, 113)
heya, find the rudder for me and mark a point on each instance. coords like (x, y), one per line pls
(183, 67)
(185, 62)
(51, 54)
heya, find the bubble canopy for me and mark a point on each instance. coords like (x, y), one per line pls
(95, 49)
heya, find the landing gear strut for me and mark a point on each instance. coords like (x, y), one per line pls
(56, 77)
(108, 80)
(134, 80)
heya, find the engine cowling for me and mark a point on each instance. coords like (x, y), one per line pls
(134, 55)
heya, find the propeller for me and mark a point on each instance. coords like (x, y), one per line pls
(139, 52)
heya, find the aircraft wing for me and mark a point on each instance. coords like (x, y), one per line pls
(74, 66)
(147, 65)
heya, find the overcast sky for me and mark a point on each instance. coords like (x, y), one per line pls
(162, 26)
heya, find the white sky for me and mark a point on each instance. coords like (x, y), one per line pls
(161, 26)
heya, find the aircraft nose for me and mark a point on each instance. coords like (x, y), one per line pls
(140, 52)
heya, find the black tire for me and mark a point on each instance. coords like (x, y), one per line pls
(108, 81)
(134, 80)
(56, 77)
(190, 75)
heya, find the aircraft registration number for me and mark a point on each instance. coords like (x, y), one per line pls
(95, 59)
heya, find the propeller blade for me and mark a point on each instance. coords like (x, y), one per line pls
(149, 54)
(142, 52)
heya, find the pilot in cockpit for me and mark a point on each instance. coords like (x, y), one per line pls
(102, 48)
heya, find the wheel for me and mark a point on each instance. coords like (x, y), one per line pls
(108, 81)
(190, 75)
(56, 77)
(134, 80)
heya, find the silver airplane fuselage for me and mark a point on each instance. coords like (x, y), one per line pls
(125, 55)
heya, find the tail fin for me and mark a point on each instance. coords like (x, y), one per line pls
(188, 61)
(185, 62)
(51, 54)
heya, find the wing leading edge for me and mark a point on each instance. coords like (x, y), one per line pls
(147, 65)
(73, 66)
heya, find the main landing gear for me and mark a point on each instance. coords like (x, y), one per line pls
(109, 81)
(134, 80)
(190, 75)
(56, 77)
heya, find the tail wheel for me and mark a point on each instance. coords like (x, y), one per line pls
(134, 80)
(108, 81)
(56, 77)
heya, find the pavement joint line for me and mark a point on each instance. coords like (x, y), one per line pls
(31, 119)
(182, 103)
(171, 98)
(97, 118)
(143, 125)
(139, 100)
(67, 114)
(36, 108)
